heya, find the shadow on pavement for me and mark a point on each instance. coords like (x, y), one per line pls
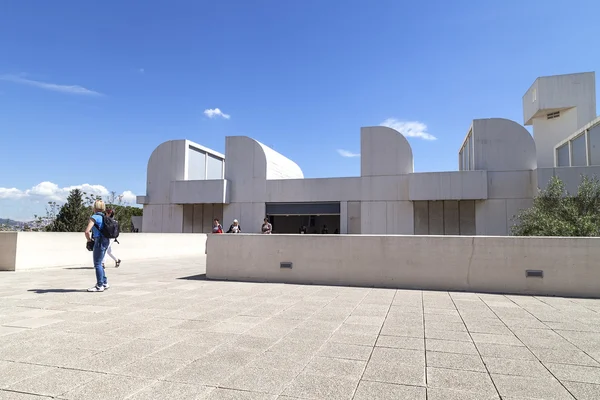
(79, 268)
(201, 277)
(42, 291)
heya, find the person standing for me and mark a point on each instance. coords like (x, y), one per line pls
(266, 228)
(217, 228)
(111, 213)
(93, 233)
(235, 227)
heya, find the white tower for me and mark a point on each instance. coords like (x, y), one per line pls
(557, 106)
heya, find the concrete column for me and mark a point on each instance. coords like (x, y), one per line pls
(343, 217)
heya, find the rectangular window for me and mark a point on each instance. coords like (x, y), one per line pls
(444, 217)
(594, 144)
(562, 156)
(553, 115)
(534, 96)
(214, 167)
(196, 164)
(471, 153)
(467, 156)
(578, 150)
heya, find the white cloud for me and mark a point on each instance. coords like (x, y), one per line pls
(11, 193)
(141, 70)
(48, 191)
(215, 112)
(409, 128)
(129, 197)
(71, 89)
(346, 153)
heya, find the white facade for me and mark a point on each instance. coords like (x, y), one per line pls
(498, 176)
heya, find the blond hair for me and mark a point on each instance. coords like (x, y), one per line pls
(99, 206)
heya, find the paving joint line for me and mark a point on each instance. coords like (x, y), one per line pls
(475, 345)
(527, 347)
(424, 344)
(375, 345)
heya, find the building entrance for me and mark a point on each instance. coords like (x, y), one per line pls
(317, 218)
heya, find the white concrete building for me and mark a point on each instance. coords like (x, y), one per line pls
(499, 169)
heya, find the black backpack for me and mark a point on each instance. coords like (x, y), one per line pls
(110, 228)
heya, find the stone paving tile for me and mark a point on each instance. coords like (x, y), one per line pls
(564, 356)
(575, 373)
(386, 391)
(12, 373)
(405, 367)
(308, 386)
(401, 342)
(583, 391)
(54, 382)
(261, 380)
(115, 387)
(198, 339)
(461, 336)
(450, 346)
(506, 366)
(530, 388)
(230, 394)
(467, 362)
(451, 394)
(332, 367)
(8, 395)
(347, 351)
(468, 381)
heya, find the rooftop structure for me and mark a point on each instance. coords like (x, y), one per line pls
(500, 167)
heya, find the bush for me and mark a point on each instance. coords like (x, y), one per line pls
(555, 212)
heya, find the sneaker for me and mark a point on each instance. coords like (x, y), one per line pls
(96, 289)
(106, 286)
(117, 263)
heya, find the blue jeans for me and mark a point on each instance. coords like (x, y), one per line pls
(100, 246)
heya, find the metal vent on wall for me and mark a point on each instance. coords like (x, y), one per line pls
(553, 115)
(534, 273)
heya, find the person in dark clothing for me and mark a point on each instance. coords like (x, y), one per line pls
(303, 230)
(324, 230)
(235, 227)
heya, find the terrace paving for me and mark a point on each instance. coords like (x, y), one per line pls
(164, 332)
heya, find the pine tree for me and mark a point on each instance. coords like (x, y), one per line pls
(73, 216)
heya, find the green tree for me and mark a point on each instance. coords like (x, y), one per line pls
(73, 215)
(555, 212)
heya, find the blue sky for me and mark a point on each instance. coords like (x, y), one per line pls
(89, 89)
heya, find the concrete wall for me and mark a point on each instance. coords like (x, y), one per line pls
(137, 222)
(8, 250)
(502, 145)
(455, 185)
(34, 250)
(384, 151)
(447, 217)
(571, 176)
(197, 192)
(574, 95)
(251, 165)
(198, 218)
(549, 132)
(480, 264)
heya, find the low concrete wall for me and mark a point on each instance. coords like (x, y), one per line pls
(31, 250)
(571, 266)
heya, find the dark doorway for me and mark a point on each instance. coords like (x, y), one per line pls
(290, 217)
